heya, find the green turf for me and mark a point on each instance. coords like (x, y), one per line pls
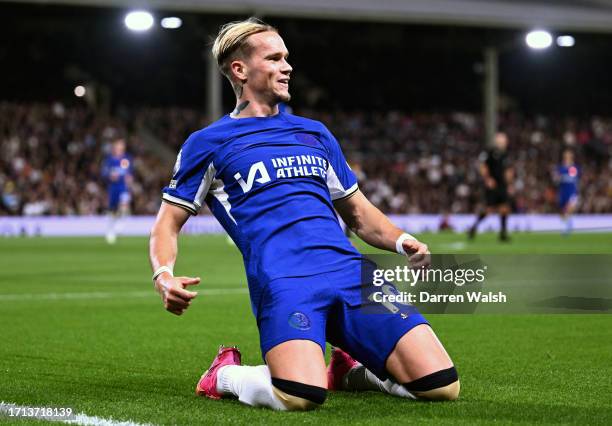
(120, 355)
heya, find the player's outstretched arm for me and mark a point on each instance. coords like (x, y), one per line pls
(163, 249)
(373, 227)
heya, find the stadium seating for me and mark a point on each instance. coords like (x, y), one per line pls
(407, 163)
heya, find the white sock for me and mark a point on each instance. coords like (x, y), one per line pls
(393, 388)
(111, 230)
(360, 379)
(251, 385)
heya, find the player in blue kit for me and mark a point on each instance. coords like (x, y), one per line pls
(567, 176)
(117, 172)
(274, 181)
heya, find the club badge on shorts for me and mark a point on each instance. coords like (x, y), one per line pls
(299, 320)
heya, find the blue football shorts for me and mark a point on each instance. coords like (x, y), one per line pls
(567, 198)
(332, 307)
(117, 197)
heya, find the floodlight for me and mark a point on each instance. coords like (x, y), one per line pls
(79, 91)
(171, 22)
(139, 20)
(538, 39)
(565, 41)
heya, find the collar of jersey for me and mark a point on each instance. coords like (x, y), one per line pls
(261, 118)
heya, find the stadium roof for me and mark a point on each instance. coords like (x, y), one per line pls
(592, 15)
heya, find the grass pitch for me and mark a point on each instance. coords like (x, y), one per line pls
(83, 328)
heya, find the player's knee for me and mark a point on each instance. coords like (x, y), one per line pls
(297, 396)
(445, 393)
(442, 385)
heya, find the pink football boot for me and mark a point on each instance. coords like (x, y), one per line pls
(207, 386)
(340, 364)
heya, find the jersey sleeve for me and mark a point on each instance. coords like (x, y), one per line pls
(341, 181)
(192, 175)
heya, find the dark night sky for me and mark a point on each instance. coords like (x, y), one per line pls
(46, 50)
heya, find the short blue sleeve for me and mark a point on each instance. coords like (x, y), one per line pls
(192, 175)
(341, 181)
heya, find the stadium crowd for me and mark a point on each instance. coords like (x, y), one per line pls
(427, 163)
(51, 156)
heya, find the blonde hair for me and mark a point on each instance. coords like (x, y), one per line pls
(231, 42)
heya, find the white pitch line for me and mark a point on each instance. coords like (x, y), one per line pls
(11, 410)
(104, 295)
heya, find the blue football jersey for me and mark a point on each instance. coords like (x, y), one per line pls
(115, 171)
(568, 178)
(270, 181)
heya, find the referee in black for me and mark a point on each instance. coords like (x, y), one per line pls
(497, 176)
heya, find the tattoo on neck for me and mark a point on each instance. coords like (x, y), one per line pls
(240, 108)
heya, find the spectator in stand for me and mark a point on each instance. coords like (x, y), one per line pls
(50, 157)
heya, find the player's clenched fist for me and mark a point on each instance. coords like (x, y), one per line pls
(174, 294)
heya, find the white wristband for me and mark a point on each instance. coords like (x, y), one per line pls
(399, 244)
(161, 270)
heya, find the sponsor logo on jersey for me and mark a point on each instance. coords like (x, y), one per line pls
(257, 173)
(292, 166)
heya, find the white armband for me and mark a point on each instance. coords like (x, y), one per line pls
(399, 244)
(161, 270)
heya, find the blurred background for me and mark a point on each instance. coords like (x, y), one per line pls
(413, 90)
